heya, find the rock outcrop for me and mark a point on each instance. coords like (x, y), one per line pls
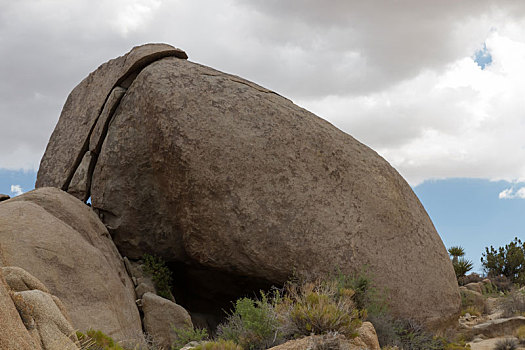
(4, 197)
(46, 320)
(215, 173)
(13, 334)
(62, 243)
(335, 341)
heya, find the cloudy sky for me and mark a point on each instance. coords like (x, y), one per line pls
(436, 87)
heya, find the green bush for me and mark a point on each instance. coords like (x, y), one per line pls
(322, 307)
(188, 334)
(472, 299)
(367, 296)
(508, 261)
(96, 340)
(513, 304)
(253, 324)
(160, 273)
(219, 345)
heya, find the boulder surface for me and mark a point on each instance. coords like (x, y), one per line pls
(210, 170)
(62, 243)
(13, 333)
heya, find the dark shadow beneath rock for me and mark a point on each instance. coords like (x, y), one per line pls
(209, 294)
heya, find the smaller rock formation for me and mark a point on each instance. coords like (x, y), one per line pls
(499, 327)
(13, 334)
(160, 316)
(4, 197)
(367, 333)
(20, 280)
(367, 339)
(45, 320)
(62, 243)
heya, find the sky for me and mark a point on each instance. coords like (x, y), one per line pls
(435, 87)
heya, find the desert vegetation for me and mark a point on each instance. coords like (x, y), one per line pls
(329, 307)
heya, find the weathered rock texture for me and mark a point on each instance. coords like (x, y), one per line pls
(77, 120)
(13, 334)
(499, 327)
(49, 325)
(211, 170)
(61, 242)
(160, 316)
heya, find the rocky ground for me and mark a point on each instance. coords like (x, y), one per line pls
(492, 327)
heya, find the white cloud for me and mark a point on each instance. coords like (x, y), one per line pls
(16, 190)
(510, 194)
(459, 122)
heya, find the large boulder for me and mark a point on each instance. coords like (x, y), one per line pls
(62, 243)
(215, 172)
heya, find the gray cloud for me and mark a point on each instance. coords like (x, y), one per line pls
(334, 57)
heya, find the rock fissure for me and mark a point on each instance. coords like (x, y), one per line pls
(78, 181)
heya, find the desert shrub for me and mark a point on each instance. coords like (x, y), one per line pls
(321, 307)
(513, 304)
(188, 334)
(506, 344)
(160, 273)
(96, 340)
(470, 278)
(474, 300)
(472, 310)
(405, 334)
(502, 283)
(508, 261)
(520, 334)
(366, 295)
(219, 345)
(253, 324)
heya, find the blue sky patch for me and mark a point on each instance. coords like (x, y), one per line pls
(17, 180)
(483, 57)
(470, 213)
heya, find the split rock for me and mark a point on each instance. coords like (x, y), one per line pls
(210, 170)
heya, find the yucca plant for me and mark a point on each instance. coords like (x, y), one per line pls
(456, 252)
(462, 266)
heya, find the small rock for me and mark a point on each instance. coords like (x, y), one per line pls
(144, 288)
(191, 345)
(4, 197)
(160, 315)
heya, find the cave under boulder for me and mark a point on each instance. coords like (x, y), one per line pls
(222, 177)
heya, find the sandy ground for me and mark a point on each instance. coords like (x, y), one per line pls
(489, 344)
